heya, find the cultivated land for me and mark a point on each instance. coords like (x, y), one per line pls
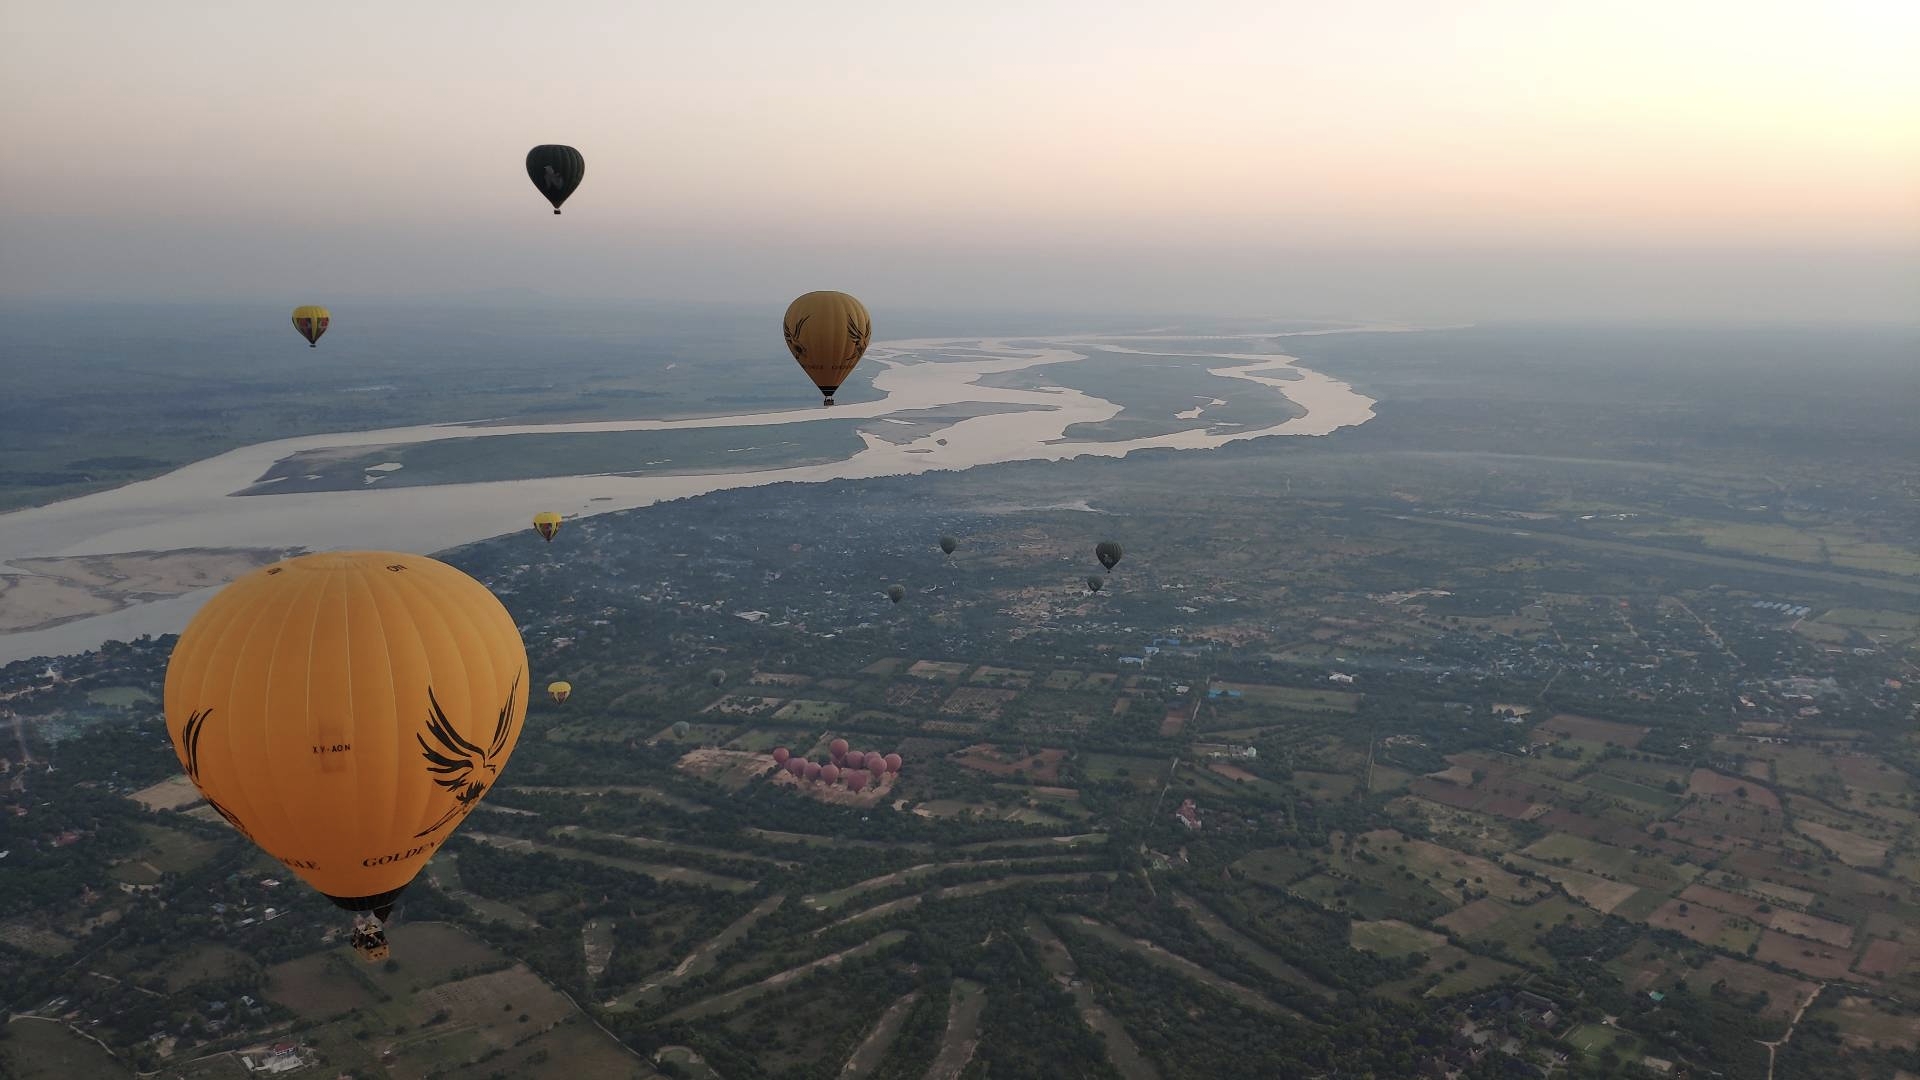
(1585, 800)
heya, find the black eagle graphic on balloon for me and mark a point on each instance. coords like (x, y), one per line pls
(462, 767)
(859, 334)
(792, 333)
(196, 727)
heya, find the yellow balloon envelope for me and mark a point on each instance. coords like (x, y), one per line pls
(346, 711)
(560, 692)
(547, 524)
(827, 332)
(312, 321)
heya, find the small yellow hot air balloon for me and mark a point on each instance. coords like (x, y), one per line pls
(547, 524)
(827, 332)
(311, 320)
(345, 712)
(560, 692)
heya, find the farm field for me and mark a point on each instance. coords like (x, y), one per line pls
(1438, 746)
(37, 1049)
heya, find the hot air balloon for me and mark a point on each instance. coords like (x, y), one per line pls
(838, 748)
(856, 759)
(781, 754)
(797, 766)
(827, 332)
(857, 781)
(547, 524)
(560, 692)
(556, 171)
(346, 712)
(829, 774)
(1094, 582)
(681, 729)
(717, 676)
(1108, 552)
(948, 543)
(896, 593)
(894, 762)
(311, 320)
(813, 770)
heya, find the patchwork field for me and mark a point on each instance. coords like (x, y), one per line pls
(802, 711)
(1715, 929)
(36, 1049)
(1586, 729)
(1592, 890)
(1784, 992)
(1807, 957)
(1041, 765)
(731, 769)
(1287, 697)
(1850, 848)
(1886, 959)
(170, 794)
(1864, 1023)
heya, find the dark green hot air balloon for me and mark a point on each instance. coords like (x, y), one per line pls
(717, 676)
(680, 729)
(948, 543)
(1094, 582)
(556, 171)
(896, 593)
(1108, 552)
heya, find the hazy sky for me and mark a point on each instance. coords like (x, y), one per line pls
(1418, 159)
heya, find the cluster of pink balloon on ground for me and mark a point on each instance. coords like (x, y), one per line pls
(857, 769)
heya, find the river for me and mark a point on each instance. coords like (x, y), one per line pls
(195, 506)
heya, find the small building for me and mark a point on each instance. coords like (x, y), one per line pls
(278, 1058)
(1188, 814)
(1340, 677)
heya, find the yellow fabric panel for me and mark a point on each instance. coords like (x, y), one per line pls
(311, 321)
(827, 332)
(301, 702)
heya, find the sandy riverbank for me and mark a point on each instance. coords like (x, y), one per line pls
(50, 591)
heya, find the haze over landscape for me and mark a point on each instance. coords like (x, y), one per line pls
(1377, 541)
(1378, 160)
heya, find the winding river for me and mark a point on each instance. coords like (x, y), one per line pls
(195, 506)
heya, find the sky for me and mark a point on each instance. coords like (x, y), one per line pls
(1379, 160)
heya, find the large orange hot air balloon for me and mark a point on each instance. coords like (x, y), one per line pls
(547, 524)
(827, 332)
(345, 712)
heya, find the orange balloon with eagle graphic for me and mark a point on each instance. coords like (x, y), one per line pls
(345, 712)
(827, 333)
